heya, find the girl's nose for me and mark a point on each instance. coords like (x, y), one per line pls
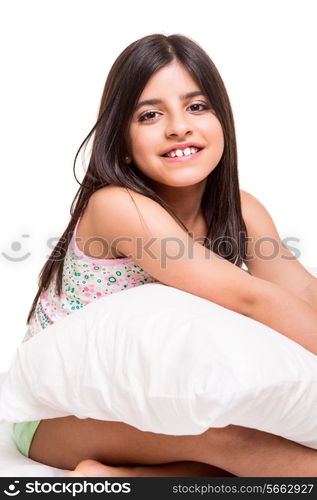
(178, 125)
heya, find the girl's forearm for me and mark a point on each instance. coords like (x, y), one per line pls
(286, 313)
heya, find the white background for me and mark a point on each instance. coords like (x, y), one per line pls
(55, 58)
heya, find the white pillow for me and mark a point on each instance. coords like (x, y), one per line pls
(165, 361)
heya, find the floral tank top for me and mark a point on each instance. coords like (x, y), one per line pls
(85, 279)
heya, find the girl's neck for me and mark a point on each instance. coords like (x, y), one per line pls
(185, 201)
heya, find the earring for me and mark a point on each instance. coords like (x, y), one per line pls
(127, 159)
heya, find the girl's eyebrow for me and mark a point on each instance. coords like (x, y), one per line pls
(159, 101)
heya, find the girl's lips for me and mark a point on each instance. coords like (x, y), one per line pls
(183, 157)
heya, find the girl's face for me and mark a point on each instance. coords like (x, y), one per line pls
(155, 128)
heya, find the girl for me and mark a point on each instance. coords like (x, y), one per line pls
(162, 183)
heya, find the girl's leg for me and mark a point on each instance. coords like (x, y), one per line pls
(92, 468)
(64, 442)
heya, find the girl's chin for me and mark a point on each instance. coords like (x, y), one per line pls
(182, 181)
(177, 175)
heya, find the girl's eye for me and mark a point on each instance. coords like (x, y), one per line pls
(199, 104)
(144, 118)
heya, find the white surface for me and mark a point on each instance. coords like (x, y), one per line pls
(13, 463)
(56, 59)
(179, 365)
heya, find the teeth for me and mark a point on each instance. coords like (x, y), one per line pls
(180, 152)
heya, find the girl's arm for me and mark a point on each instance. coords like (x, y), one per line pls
(269, 259)
(155, 241)
(285, 313)
(309, 294)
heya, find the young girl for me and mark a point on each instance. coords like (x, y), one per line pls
(160, 202)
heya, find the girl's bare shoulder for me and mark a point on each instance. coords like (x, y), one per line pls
(89, 241)
(112, 211)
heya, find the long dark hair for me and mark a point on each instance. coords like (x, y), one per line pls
(126, 80)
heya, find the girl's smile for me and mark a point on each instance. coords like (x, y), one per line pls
(181, 157)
